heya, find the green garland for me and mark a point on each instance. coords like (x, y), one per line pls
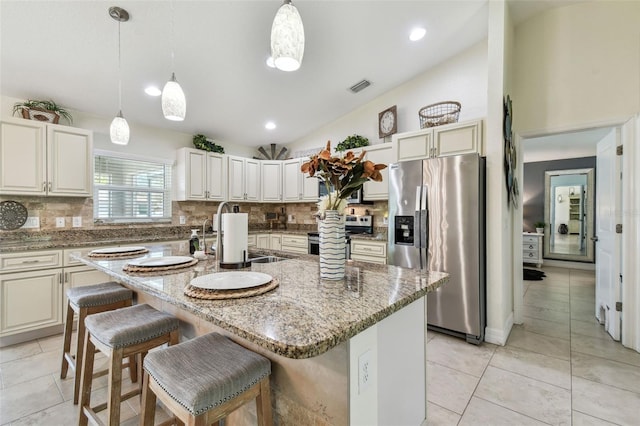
(354, 141)
(201, 142)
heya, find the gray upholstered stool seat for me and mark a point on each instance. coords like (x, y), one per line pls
(98, 294)
(84, 301)
(130, 326)
(204, 374)
(127, 332)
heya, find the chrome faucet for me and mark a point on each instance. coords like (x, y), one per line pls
(204, 233)
(219, 248)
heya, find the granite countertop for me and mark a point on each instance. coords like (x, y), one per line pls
(304, 316)
(73, 239)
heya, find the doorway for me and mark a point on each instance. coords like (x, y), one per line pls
(562, 159)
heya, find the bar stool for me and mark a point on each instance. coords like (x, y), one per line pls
(126, 332)
(204, 379)
(83, 301)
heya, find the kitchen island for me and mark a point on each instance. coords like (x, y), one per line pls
(342, 352)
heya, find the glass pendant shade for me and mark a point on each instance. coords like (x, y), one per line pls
(287, 38)
(119, 130)
(174, 104)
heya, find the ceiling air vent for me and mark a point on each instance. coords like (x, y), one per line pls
(361, 85)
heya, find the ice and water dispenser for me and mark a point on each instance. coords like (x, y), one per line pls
(403, 229)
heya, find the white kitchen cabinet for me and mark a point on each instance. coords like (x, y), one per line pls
(262, 241)
(243, 179)
(298, 186)
(33, 289)
(532, 248)
(271, 181)
(30, 298)
(382, 153)
(275, 242)
(269, 241)
(440, 141)
(45, 159)
(369, 251)
(77, 274)
(251, 240)
(200, 175)
(295, 243)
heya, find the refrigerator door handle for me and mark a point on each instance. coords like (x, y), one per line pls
(424, 218)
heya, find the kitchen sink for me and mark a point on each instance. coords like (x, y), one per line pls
(267, 259)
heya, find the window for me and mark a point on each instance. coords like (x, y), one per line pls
(131, 190)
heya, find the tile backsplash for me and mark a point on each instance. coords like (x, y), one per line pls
(295, 216)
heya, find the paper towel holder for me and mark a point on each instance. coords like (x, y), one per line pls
(236, 265)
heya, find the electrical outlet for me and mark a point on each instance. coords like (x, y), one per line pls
(365, 371)
(385, 220)
(32, 222)
(59, 222)
(291, 218)
(183, 220)
(77, 221)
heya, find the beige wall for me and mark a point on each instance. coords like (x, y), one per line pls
(462, 78)
(577, 65)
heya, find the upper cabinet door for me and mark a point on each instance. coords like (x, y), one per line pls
(379, 154)
(291, 180)
(236, 178)
(413, 145)
(271, 181)
(216, 177)
(70, 161)
(23, 157)
(459, 138)
(252, 180)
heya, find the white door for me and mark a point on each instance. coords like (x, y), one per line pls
(607, 241)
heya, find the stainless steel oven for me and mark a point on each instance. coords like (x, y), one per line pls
(353, 224)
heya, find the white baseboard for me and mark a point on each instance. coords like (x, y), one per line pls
(499, 336)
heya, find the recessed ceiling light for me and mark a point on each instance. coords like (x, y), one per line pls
(417, 34)
(270, 62)
(153, 91)
(270, 125)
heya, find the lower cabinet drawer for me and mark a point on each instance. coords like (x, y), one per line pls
(29, 261)
(370, 259)
(530, 246)
(530, 255)
(369, 248)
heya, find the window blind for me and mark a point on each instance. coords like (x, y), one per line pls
(131, 190)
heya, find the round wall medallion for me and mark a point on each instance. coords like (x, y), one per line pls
(12, 215)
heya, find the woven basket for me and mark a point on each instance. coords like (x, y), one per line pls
(40, 114)
(439, 113)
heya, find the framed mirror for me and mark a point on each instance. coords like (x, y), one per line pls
(569, 214)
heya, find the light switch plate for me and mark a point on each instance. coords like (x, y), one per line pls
(77, 221)
(59, 222)
(183, 220)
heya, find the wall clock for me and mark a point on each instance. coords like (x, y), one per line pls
(387, 122)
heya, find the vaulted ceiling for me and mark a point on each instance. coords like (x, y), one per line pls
(67, 51)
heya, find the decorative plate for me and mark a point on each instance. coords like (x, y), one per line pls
(116, 250)
(231, 280)
(12, 215)
(152, 262)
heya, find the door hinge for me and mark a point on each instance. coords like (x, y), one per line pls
(618, 228)
(619, 150)
(619, 306)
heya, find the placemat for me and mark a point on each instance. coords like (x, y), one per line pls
(154, 270)
(201, 293)
(117, 255)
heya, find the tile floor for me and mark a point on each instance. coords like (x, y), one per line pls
(558, 368)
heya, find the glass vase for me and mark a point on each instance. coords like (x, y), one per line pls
(332, 246)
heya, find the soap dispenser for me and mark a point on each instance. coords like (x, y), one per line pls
(194, 241)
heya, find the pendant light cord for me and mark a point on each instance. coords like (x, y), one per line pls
(119, 74)
(171, 36)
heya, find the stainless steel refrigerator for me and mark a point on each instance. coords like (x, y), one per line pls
(437, 222)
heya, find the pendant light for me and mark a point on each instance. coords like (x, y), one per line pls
(287, 38)
(119, 129)
(174, 104)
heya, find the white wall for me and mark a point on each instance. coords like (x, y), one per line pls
(577, 64)
(463, 78)
(145, 141)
